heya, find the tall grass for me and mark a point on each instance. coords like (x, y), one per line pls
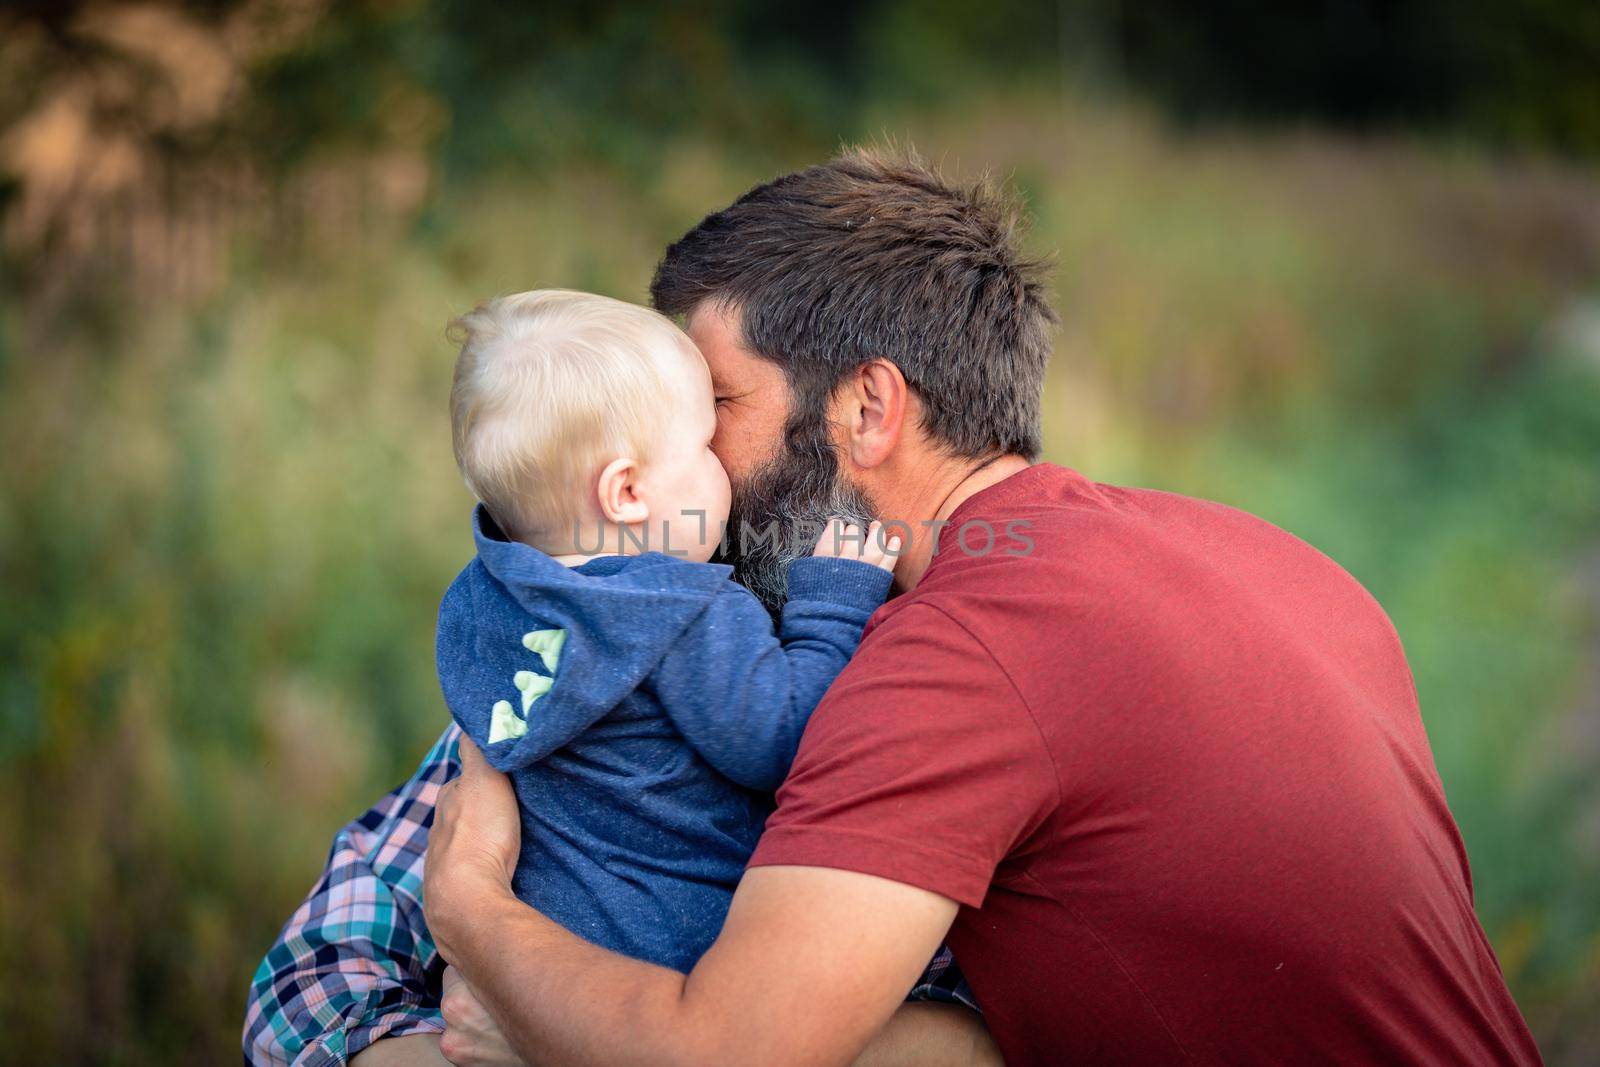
(224, 529)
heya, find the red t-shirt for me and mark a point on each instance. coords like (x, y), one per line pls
(1168, 759)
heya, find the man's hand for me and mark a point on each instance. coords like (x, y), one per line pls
(472, 849)
(846, 540)
(471, 1038)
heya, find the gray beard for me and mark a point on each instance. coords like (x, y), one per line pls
(778, 512)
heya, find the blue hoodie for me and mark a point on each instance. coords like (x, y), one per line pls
(645, 712)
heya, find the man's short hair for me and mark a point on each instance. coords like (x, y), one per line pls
(550, 386)
(870, 255)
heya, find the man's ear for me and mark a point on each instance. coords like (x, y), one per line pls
(872, 406)
(618, 493)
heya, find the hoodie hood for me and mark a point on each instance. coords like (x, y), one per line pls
(531, 653)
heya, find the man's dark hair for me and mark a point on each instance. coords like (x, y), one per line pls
(870, 255)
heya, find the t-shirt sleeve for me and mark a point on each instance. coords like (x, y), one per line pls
(921, 765)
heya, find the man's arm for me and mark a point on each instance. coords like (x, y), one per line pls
(355, 964)
(920, 1034)
(811, 963)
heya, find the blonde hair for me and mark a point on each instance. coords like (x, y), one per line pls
(550, 386)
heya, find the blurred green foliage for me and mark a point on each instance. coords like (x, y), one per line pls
(229, 507)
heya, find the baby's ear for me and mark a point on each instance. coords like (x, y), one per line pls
(618, 493)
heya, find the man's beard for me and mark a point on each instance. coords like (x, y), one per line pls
(779, 511)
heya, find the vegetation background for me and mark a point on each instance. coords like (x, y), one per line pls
(1335, 263)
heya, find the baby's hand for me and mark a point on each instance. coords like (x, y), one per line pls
(845, 540)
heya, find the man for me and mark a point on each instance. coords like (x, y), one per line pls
(1153, 767)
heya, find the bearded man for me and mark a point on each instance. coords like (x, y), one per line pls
(1153, 768)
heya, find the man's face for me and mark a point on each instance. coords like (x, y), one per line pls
(752, 394)
(784, 473)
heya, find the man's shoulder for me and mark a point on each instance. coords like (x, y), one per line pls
(1067, 538)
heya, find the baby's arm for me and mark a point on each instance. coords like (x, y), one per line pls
(740, 694)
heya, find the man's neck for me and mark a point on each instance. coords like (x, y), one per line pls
(933, 502)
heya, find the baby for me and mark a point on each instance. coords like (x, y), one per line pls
(639, 699)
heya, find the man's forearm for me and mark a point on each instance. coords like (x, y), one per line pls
(618, 1011)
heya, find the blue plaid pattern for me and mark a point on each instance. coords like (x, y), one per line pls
(355, 962)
